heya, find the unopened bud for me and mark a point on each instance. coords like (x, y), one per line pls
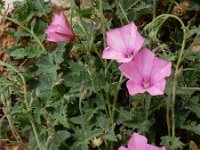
(77, 2)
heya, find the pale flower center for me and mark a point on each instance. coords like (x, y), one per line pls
(146, 85)
(129, 55)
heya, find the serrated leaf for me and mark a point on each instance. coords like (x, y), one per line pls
(57, 138)
(30, 52)
(50, 64)
(22, 33)
(23, 12)
(83, 138)
(171, 143)
(192, 127)
(26, 10)
(77, 120)
(110, 136)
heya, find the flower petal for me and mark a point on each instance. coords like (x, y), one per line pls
(56, 37)
(152, 147)
(122, 148)
(161, 70)
(59, 30)
(128, 33)
(109, 53)
(137, 142)
(115, 40)
(125, 39)
(157, 88)
(61, 20)
(144, 61)
(130, 71)
(139, 42)
(134, 88)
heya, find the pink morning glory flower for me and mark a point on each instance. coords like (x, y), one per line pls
(139, 142)
(123, 43)
(59, 30)
(146, 73)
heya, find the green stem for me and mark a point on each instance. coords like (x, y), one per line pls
(177, 65)
(13, 129)
(168, 110)
(103, 29)
(123, 12)
(80, 104)
(81, 24)
(38, 41)
(116, 96)
(107, 67)
(161, 47)
(147, 106)
(108, 104)
(35, 133)
(119, 111)
(25, 100)
(27, 29)
(154, 9)
(22, 78)
(5, 98)
(192, 88)
(176, 76)
(100, 94)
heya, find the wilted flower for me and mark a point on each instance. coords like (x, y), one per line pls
(139, 142)
(181, 9)
(123, 43)
(59, 30)
(146, 73)
(96, 142)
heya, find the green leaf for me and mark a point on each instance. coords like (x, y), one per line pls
(192, 127)
(48, 77)
(57, 139)
(110, 136)
(2, 3)
(87, 12)
(32, 51)
(171, 143)
(83, 138)
(22, 33)
(39, 29)
(26, 10)
(50, 64)
(40, 7)
(23, 12)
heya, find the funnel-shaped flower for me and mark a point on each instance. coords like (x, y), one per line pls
(123, 43)
(59, 30)
(139, 142)
(146, 73)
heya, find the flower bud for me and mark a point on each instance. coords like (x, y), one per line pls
(77, 2)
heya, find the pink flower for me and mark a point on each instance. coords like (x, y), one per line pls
(59, 30)
(146, 73)
(139, 142)
(123, 43)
